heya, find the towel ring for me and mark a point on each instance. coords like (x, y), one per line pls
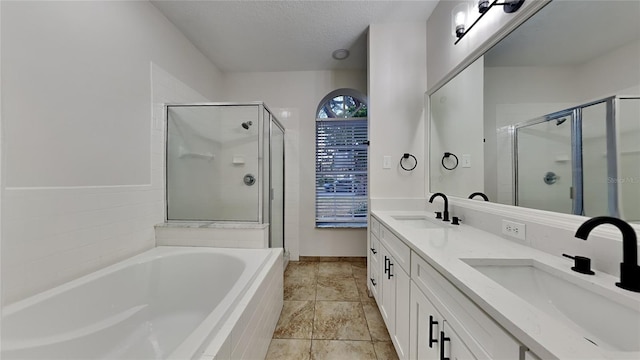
(406, 156)
(446, 156)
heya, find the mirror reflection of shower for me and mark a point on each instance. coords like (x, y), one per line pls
(580, 167)
(247, 124)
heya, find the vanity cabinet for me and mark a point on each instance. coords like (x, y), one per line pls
(426, 315)
(391, 265)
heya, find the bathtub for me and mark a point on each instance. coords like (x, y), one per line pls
(166, 303)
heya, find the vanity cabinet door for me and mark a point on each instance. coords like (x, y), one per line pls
(387, 304)
(454, 348)
(426, 323)
(401, 336)
(394, 302)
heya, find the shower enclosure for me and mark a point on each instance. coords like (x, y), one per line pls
(582, 160)
(225, 163)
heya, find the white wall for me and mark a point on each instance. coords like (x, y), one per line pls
(397, 83)
(294, 97)
(456, 126)
(82, 176)
(614, 73)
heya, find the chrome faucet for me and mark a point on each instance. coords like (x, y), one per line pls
(629, 269)
(445, 213)
(482, 195)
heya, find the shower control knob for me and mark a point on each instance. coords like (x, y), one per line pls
(249, 179)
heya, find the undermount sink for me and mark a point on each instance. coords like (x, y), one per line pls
(602, 316)
(417, 221)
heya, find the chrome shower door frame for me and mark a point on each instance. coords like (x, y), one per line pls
(575, 113)
(260, 105)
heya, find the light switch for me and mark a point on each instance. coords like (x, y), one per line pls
(466, 160)
(386, 162)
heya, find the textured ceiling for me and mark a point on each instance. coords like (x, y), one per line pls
(569, 32)
(286, 35)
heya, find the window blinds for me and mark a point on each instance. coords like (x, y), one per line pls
(341, 172)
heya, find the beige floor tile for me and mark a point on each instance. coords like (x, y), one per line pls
(361, 284)
(340, 320)
(334, 269)
(289, 349)
(301, 269)
(299, 288)
(385, 350)
(359, 269)
(377, 328)
(342, 350)
(296, 320)
(337, 288)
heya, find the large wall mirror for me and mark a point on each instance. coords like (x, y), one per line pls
(549, 118)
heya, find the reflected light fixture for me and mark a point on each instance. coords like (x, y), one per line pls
(460, 13)
(340, 54)
(483, 6)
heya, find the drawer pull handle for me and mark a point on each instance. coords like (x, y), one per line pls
(374, 251)
(443, 339)
(386, 264)
(373, 281)
(389, 274)
(431, 339)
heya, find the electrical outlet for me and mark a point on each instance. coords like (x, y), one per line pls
(513, 229)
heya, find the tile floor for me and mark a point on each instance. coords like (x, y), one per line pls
(327, 314)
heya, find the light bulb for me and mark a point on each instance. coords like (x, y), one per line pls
(460, 22)
(459, 19)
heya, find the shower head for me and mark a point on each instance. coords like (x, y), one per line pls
(560, 121)
(246, 125)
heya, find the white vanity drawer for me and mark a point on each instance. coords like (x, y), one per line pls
(398, 249)
(374, 248)
(374, 267)
(484, 337)
(375, 226)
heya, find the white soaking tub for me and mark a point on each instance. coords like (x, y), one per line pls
(166, 303)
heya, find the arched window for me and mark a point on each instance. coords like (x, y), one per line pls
(341, 160)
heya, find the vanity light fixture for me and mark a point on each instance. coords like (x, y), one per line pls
(459, 19)
(460, 13)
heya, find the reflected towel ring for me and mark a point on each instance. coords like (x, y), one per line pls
(406, 156)
(446, 156)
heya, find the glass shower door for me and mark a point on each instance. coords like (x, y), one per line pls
(544, 165)
(595, 191)
(276, 222)
(629, 158)
(212, 163)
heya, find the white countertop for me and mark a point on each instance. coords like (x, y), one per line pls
(545, 336)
